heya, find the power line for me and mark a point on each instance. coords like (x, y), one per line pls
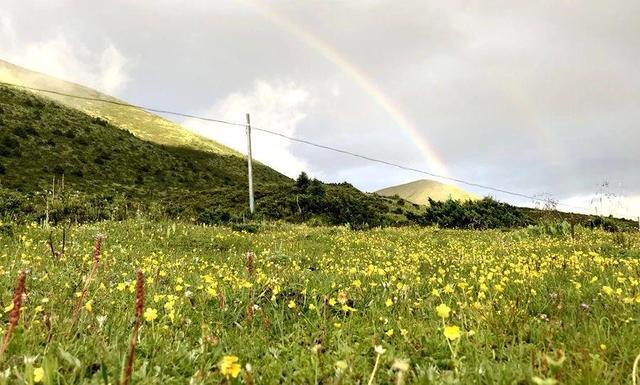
(294, 139)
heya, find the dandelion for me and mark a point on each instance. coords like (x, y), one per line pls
(389, 302)
(401, 367)
(341, 366)
(291, 304)
(607, 290)
(443, 311)
(229, 366)
(452, 332)
(379, 350)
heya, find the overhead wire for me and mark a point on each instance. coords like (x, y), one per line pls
(298, 140)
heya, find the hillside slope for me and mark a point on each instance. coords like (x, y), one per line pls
(142, 124)
(420, 191)
(58, 163)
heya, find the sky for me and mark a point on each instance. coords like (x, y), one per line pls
(541, 98)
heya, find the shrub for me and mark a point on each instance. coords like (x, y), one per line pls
(483, 214)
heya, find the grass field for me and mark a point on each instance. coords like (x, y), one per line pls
(322, 305)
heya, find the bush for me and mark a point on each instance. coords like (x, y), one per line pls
(483, 214)
(605, 224)
(11, 203)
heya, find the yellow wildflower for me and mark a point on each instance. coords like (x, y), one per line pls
(443, 311)
(38, 374)
(229, 366)
(452, 332)
(150, 314)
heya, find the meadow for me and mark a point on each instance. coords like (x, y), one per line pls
(293, 304)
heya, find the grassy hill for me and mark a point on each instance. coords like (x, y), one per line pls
(60, 163)
(420, 191)
(142, 124)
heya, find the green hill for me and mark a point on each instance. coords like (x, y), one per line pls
(60, 163)
(142, 124)
(420, 191)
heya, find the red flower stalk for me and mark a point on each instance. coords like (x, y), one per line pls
(134, 336)
(14, 317)
(250, 266)
(97, 252)
(250, 312)
(221, 299)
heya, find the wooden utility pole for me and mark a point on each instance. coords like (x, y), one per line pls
(252, 207)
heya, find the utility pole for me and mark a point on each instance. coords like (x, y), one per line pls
(252, 207)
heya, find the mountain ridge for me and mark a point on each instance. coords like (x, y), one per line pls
(141, 123)
(419, 192)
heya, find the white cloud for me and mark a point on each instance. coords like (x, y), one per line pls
(618, 206)
(104, 70)
(276, 106)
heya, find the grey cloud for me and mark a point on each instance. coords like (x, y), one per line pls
(531, 96)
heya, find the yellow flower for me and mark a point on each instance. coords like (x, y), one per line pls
(291, 305)
(607, 290)
(357, 283)
(38, 374)
(443, 311)
(452, 332)
(341, 366)
(229, 366)
(88, 306)
(389, 332)
(312, 306)
(150, 314)
(389, 302)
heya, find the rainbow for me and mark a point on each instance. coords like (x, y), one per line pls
(435, 163)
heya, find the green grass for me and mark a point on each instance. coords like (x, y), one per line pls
(520, 299)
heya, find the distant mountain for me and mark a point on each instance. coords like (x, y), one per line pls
(420, 191)
(140, 123)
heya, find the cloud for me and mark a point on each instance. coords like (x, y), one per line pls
(278, 106)
(618, 206)
(526, 96)
(58, 56)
